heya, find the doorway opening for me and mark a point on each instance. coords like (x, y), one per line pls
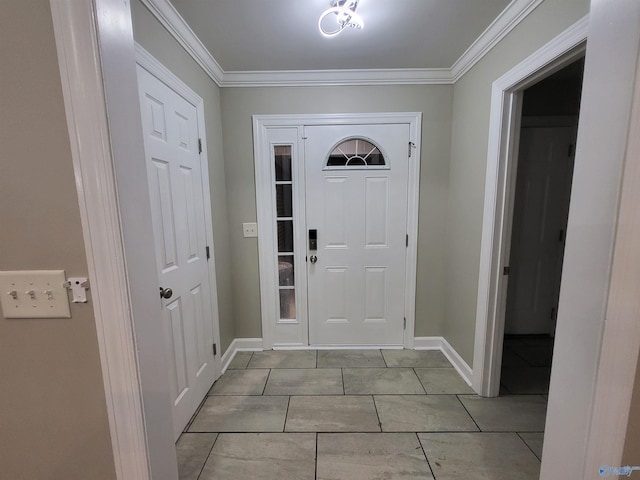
(543, 177)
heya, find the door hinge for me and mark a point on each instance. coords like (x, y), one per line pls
(553, 313)
(561, 236)
(404, 325)
(571, 150)
(407, 241)
(208, 253)
(215, 349)
(506, 270)
(199, 145)
(411, 145)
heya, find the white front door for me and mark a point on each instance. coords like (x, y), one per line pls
(170, 130)
(356, 203)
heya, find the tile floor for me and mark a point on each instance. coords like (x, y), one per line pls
(358, 415)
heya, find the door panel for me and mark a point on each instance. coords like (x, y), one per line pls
(356, 289)
(543, 188)
(170, 131)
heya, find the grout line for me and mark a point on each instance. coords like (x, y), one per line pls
(425, 456)
(316, 472)
(527, 445)
(316, 358)
(208, 455)
(420, 381)
(373, 397)
(286, 415)
(264, 389)
(384, 359)
(195, 414)
(344, 392)
(468, 413)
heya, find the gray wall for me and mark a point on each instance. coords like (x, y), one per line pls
(152, 36)
(239, 104)
(470, 134)
(53, 418)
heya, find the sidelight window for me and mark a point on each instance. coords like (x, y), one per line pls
(285, 231)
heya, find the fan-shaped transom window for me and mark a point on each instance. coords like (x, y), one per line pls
(356, 153)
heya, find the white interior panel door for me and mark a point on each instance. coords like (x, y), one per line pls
(545, 168)
(358, 207)
(175, 186)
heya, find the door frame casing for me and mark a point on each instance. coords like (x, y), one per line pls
(506, 105)
(266, 243)
(168, 78)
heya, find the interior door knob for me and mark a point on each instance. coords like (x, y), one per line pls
(313, 259)
(165, 292)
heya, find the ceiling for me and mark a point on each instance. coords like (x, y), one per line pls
(282, 35)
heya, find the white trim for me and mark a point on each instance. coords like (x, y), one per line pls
(508, 19)
(264, 205)
(166, 76)
(504, 23)
(302, 78)
(84, 99)
(169, 17)
(441, 344)
(497, 202)
(240, 345)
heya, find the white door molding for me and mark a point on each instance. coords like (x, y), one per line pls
(84, 98)
(158, 70)
(498, 200)
(262, 124)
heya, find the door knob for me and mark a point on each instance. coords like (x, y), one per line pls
(165, 292)
(313, 259)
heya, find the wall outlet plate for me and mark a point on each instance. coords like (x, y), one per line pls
(250, 230)
(34, 294)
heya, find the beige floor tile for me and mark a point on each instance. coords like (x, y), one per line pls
(512, 413)
(262, 456)
(369, 381)
(240, 360)
(332, 414)
(322, 381)
(192, 450)
(423, 413)
(442, 380)
(416, 358)
(479, 456)
(241, 382)
(241, 414)
(371, 456)
(350, 358)
(283, 359)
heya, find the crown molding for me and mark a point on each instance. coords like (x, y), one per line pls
(169, 17)
(299, 78)
(510, 17)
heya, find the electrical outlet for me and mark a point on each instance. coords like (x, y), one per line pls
(250, 230)
(34, 294)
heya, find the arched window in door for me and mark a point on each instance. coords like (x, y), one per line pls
(356, 153)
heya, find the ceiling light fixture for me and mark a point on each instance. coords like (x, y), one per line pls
(346, 16)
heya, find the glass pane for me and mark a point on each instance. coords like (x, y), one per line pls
(287, 304)
(285, 271)
(283, 163)
(285, 236)
(355, 152)
(284, 200)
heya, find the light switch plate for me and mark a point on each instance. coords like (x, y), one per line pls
(34, 294)
(250, 230)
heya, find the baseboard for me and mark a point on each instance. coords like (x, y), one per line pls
(240, 345)
(440, 343)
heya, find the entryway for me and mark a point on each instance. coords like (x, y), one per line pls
(546, 149)
(337, 216)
